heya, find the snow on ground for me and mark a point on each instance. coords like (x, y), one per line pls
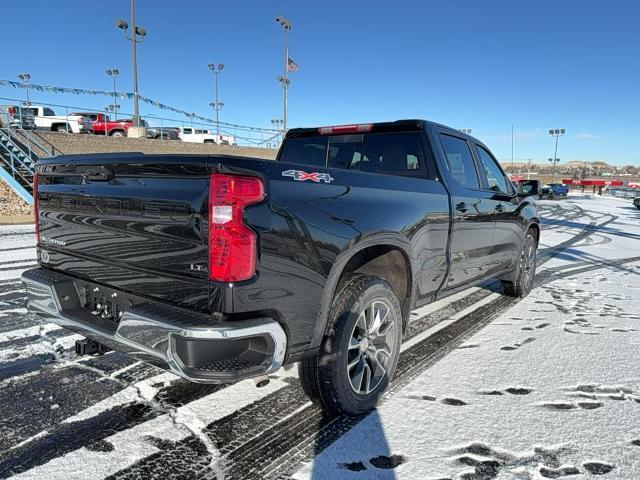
(550, 388)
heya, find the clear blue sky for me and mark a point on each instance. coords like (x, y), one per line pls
(483, 65)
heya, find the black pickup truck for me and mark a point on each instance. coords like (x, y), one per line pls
(221, 268)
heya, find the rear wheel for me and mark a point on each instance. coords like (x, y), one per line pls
(117, 133)
(360, 350)
(63, 128)
(525, 271)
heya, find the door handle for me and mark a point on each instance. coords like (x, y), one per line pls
(461, 207)
(499, 208)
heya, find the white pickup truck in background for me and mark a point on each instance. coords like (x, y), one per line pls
(46, 119)
(198, 135)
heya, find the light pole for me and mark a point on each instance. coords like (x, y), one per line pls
(25, 77)
(557, 132)
(113, 73)
(136, 31)
(278, 123)
(553, 162)
(284, 80)
(217, 106)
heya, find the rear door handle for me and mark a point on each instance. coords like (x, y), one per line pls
(461, 207)
(499, 208)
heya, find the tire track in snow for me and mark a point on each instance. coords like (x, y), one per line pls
(295, 391)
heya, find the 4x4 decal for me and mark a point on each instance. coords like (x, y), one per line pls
(301, 176)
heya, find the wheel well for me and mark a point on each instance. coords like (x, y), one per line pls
(387, 262)
(54, 126)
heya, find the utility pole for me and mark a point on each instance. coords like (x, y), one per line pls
(512, 148)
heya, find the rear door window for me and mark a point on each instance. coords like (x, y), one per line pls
(493, 178)
(459, 161)
(47, 112)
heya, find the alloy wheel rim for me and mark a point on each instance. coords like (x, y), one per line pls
(528, 263)
(371, 346)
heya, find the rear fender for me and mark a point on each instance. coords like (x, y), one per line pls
(383, 239)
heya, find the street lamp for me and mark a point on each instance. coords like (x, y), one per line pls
(25, 77)
(217, 106)
(136, 31)
(113, 73)
(278, 123)
(284, 80)
(557, 132)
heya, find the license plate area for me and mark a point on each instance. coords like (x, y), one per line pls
(105, 305)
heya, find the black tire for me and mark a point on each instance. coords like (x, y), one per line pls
(552, 195)
(525, 270)
(117, 133)
(327, 377)
(63, 129)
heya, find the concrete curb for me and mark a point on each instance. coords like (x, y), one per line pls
(16, 219)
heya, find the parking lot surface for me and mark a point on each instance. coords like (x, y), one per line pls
(487, 386)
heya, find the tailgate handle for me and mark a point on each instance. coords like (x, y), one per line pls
(100, 174)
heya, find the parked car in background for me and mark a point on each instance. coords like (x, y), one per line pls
(113, 128)
(164, 133)
(199, 135)
(46, 119)
(553, 190)
(14, 116)
(559, 189)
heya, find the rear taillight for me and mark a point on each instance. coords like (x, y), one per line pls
(232, 245)
(11, 110)
(36, 212)
(80, 120)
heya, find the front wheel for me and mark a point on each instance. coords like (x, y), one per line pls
(525, 271)
(360, 350)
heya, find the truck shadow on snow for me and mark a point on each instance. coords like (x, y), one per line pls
(380, 463)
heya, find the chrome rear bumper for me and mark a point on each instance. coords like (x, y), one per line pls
(187, 343)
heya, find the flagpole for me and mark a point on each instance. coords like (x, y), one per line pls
(286, 77)
(286, 27)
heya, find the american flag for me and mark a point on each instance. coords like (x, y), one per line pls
(291, 65)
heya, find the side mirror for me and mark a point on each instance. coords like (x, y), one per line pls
(528, 188)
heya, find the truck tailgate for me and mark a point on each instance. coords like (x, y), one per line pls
(135, 223)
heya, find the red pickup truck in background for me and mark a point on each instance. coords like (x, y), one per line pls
(102, 123)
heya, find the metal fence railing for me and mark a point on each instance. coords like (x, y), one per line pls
(244, 135)
(624, 192)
